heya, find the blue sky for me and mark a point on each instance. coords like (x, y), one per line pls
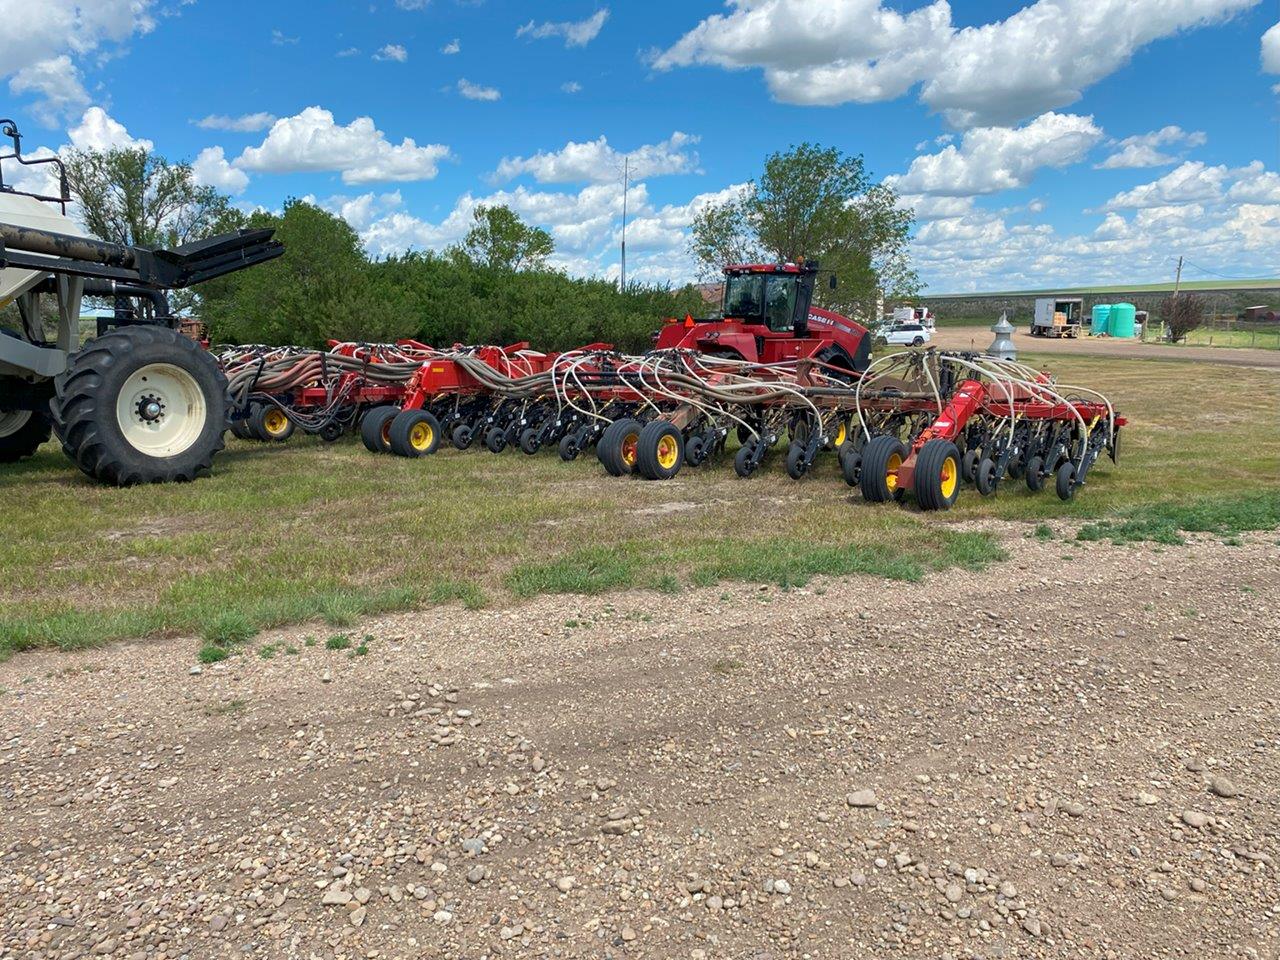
(1056, 142)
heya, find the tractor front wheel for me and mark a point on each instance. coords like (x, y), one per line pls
(142, 404)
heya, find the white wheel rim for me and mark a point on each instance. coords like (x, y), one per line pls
(12, 421)
(161, 410)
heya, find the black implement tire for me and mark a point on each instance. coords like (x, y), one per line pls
(851, 464)
(270, 424)
(568, 447)
(1065, 481)
(969, 464)
(985, 477)
(742, 462)
(414, 433)
(142, 404)
(21, 433)
(1035, 474)
(796, 467)
(331, 432)
(529, 442)
(495, 440)
(462, 436)
(375, 429)
(937, 475)
(240, 425)
(881, 458)
(616, 449)
(695, 450)
(659, 450)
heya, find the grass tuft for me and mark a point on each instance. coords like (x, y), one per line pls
(1166, 522)
(229, 628)
(213, 653)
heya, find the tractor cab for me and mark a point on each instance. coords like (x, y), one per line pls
(768, 316)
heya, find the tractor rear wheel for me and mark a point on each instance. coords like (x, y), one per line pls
(270, 424)
(375, 429)
(142, 404)
(21, 433)
(937, 475)
(659, 450)
(414, 433)
(616, 450)
(881, 458)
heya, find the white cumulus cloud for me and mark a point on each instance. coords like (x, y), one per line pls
(990, 159)
(312, 141)
(475, 91)
(452, 47)
(211, 169)
(1144, 150)
(56, 83)
(1041, 57)
(245, 123)
(576, 33)
(1189, 182)
(392, 51)
(98, 130)
(1271, 50)
(596, 161)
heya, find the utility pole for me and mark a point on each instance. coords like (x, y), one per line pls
(626, 173)
(1177, 277)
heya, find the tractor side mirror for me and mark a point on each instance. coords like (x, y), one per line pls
(832, 282)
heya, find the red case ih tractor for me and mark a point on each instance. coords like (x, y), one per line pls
(769, 317)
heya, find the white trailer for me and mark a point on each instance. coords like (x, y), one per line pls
(1057, 317)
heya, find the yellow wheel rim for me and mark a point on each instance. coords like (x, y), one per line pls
(668, 452)
(891, 472)
(629, 445)
(948, 479)
(421, 435)
(386, 431)
(841, 435)
(275, 422)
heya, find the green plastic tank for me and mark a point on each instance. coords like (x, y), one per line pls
(1100, 318)
(1122, 319)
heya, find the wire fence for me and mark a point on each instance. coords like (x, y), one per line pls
(1226, 331)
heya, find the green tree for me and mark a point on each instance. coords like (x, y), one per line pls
(316, 290)
(815, 203)
(133, 196)
(500, 240)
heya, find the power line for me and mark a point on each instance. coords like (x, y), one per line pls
(1213, 273)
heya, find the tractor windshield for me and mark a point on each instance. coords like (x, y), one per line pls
(780, 303)
(744, 297)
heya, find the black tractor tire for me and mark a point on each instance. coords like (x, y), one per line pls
(1035, 474)
(173, 397)
(937, 475)
(617, 447)
(568, 447)
(21, 436)
(851, 465)
(881, 458)
(462, 436)
(529, 442)
(1064, 482)
(414, 433)
(659, 450)
(375, 429)
(796, 467)
(270, 424)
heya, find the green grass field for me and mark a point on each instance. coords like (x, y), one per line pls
(311, 530)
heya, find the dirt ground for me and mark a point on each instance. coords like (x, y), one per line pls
(979, 338)
(1073, 754)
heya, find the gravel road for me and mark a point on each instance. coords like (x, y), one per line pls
(1073, 754)
(965, 338)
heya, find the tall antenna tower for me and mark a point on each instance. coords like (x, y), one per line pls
(626, 182)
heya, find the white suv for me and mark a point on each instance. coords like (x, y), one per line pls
(905, 334)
